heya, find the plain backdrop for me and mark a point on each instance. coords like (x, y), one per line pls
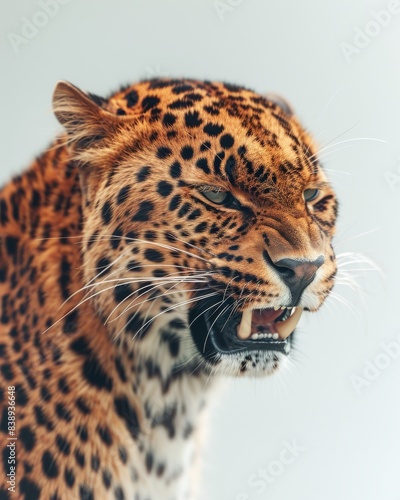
(338, 64)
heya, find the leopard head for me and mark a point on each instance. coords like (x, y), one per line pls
(207, 219)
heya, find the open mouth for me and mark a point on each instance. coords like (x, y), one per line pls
(216, 328)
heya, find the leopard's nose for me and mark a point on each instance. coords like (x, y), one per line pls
(297, 274)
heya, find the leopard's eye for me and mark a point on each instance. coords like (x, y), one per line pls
(217, 197)
(310, 194)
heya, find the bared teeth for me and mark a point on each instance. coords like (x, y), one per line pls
(244, 329)
(285, 328)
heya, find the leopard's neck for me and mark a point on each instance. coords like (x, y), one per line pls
(146, 404)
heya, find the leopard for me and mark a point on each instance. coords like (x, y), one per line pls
(169, 238)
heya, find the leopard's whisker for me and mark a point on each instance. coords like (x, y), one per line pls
(131, 280)
(84, 300)
(372, 139)
(331, 99)
(340, 238)
(144, 291)
(175, 306)
(149, 288)
(350, 282)
(355, 257)
(345, 302)
(164, 294)
(209, 330)
(122, 282)
(227, 286)
(235, 307)
(203, 312)
(327, 153)
(97, 276)
(334, 139)
(336, 172)
(213, 323)
(124, 279)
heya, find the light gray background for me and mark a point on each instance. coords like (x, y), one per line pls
(350, 439)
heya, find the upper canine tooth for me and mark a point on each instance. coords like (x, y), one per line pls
(244, 329)
(276, 308)
(285, 328)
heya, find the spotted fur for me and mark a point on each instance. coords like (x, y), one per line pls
(108, 241)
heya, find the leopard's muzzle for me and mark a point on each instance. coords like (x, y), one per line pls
(218, 328)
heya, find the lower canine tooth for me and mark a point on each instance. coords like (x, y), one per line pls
(285, 328)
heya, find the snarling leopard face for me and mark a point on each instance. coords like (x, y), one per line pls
(205, 203)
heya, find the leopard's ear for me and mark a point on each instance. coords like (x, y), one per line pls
(281, 102)
(82, 114)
